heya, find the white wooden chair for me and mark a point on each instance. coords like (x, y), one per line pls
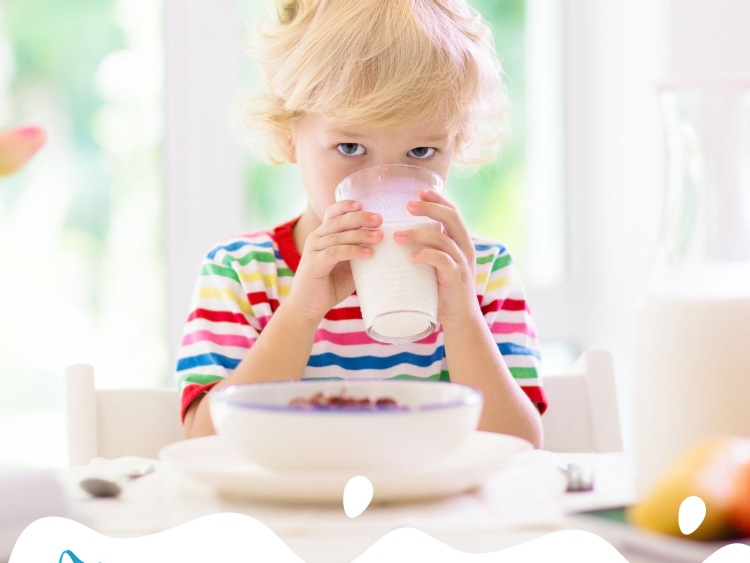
(112, 423)
(583, 413)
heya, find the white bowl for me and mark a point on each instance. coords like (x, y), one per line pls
(432, 421)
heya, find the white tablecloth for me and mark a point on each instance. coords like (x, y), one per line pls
(523, 501)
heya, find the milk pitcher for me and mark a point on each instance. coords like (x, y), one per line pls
(691, 356)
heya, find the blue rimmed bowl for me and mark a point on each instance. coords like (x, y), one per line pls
(431, 420)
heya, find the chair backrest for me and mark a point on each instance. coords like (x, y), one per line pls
(112, 423)
(583, 413)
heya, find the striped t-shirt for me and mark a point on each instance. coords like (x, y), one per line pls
(243, 281)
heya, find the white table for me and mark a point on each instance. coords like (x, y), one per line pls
(488, 519)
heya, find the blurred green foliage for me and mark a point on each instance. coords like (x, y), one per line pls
(57, 48)
(86, 213)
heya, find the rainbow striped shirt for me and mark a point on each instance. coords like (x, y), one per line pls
(243, 281)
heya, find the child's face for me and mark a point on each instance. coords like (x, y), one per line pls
(327, 152)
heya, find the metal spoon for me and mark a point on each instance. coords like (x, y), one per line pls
(579, 479)
(107, 488)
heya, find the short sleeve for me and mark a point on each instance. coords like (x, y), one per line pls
(503, 302)
(222, 324)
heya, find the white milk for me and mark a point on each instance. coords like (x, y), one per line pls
(691, 377)
(398, 298)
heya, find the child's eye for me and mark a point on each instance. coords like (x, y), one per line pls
(351, 149)
(422, 152)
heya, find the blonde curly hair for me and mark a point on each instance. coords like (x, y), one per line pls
(377, 63)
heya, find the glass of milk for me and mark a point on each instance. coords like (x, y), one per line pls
(398, 298)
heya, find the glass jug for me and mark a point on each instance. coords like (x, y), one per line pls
(691, 362)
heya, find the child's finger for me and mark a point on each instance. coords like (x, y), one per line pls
(346, 216)
(435, 206)
(428, 238)
(435, 197)
(341, 207)
(350, 237)
(332, 255)
(442, 261)
(450, 273)
(446, 214)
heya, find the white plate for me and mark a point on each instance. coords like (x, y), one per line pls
(217, 464)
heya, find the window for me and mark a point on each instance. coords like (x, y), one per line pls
(80, 227)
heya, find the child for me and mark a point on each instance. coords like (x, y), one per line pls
(353, 84)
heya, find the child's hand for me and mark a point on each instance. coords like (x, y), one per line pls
(451, 252)
(324, 277)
